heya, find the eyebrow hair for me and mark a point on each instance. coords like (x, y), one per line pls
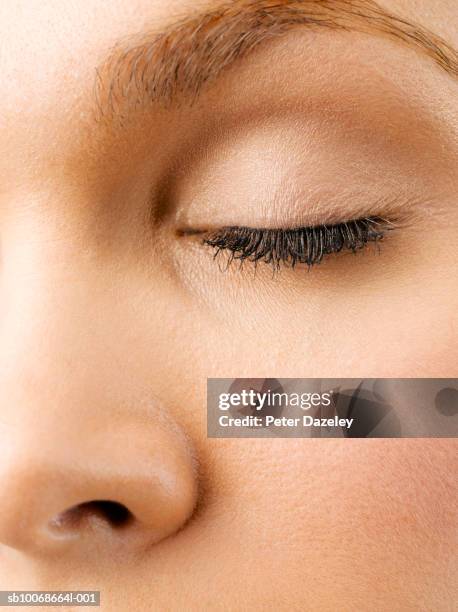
(181, 59)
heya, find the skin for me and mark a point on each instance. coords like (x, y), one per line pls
(113, 315)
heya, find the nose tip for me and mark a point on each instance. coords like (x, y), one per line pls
(121, 490)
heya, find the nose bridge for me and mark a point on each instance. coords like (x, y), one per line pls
(64, 268)
(48, 342)
(53, 242)
(56, 291)
(43, 259)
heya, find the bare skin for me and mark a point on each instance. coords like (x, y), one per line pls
(113, 314)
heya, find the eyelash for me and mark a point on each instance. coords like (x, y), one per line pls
(301, 245)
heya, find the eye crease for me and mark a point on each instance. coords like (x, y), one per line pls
(300, 245)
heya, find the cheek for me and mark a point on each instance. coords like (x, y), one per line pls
(333, 517)
(373, 339)
(413, 334)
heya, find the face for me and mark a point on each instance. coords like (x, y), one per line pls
(129, 230)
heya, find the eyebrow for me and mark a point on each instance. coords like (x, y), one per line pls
(177, 62)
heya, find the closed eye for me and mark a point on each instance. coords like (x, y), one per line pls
(300, 245)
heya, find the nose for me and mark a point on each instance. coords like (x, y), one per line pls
(116, 488)
(90, 460)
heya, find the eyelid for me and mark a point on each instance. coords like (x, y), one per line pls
(299, 245)
(267, 214)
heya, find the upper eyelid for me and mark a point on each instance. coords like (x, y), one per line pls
(297, 205)
(390, 221)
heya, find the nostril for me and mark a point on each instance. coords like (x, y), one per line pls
(112, 513)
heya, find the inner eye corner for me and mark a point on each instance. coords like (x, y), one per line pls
(189, 232)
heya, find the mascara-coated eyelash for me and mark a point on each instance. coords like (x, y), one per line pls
(301, 245)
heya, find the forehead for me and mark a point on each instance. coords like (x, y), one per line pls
(52, 47)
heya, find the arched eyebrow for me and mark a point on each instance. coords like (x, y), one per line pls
(176, 63)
